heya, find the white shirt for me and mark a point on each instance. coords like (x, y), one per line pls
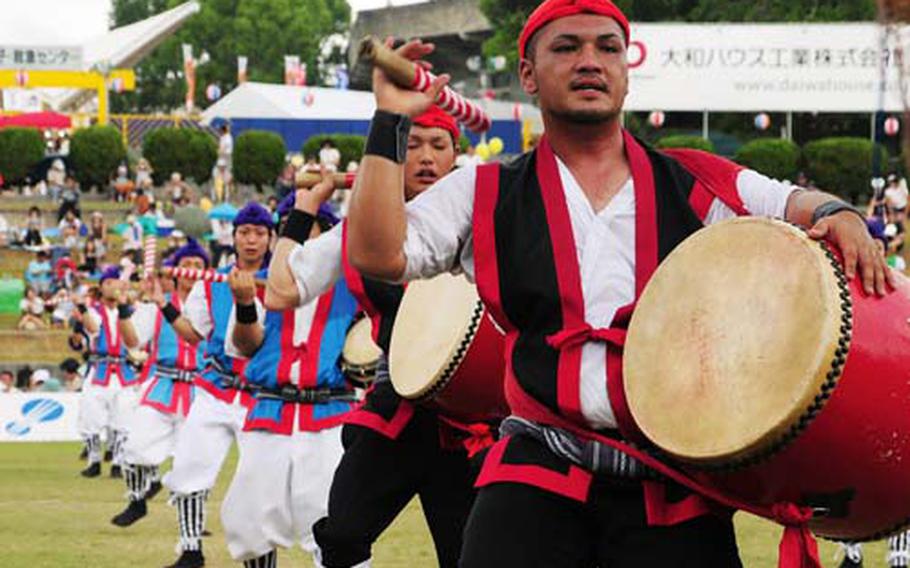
(196, 311)
(112, 316)
(144, 319)
(439, 240)
(316, 266)
(897, 196)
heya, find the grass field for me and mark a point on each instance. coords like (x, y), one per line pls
(50, 517)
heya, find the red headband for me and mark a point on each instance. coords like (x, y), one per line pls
(555, 9)
(435, 117)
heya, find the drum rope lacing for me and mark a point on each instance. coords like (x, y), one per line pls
(460, 353)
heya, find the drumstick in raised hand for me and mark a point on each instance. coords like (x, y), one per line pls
(410, 75)
(306, 180)
(207, 275)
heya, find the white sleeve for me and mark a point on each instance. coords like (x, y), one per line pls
(196, 310)
(762, 196)
(229, 347)
(92, 314)
(316, 264)
(144, 319)
(439, 227)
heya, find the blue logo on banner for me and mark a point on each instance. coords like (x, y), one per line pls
(34, 412)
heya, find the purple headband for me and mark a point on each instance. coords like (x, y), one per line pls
(254, 214)
(324, 214)
(190, 250)
(110, 273)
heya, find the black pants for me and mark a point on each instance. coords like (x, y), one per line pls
(376, 479)
(522, 526)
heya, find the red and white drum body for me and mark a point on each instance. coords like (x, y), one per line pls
(786, 383)
(446, 352)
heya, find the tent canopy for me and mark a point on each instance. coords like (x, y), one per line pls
(37, 120)
(296, 113)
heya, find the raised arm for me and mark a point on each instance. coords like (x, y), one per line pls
(248, 332)
(377, 220)
(281, 291)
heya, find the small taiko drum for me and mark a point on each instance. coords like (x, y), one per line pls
(360, 355)
(446, 351)
(751, 361)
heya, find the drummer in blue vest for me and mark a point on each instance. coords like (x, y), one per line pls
(218, 410)
(171, 368)
(404, 449)
(112, 386)
(291, 441)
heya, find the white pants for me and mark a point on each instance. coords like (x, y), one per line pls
(110, 406)
(203, 443)
(151, 436)
(280, 489)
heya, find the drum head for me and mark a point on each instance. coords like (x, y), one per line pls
(732, 340)
(431, 327)
(360, 350)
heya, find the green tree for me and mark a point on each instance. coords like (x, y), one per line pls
(263, 30)
(258, 157)
(20, 150)
(95, 153)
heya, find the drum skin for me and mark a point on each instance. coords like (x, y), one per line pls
(446, 352)
(854, 457)
(838, 439)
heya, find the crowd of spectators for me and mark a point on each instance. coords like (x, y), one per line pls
(67, 377)
(886, 217)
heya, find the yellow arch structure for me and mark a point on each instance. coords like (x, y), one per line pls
(100, 82)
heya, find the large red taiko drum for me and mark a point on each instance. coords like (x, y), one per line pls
(751, 361)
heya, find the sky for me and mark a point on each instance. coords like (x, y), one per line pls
(50, 22)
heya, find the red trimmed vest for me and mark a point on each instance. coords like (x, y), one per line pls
(382, 411)
(527, 274)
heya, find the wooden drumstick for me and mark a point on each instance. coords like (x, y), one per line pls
(208, 275)
(307, 180)
(410, 75)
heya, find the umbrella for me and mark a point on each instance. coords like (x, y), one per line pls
(223, 212)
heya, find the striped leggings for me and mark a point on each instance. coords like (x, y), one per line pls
(898, 550)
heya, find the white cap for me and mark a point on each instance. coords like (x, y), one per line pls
(41, 376)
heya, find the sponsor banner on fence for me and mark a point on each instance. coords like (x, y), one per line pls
(765, 67)
(39, 417)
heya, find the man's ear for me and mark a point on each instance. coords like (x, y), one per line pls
(527, 77)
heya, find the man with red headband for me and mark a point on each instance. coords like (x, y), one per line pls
(394, 450)
(560, 242)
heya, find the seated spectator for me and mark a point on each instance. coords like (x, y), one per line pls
(42, 381)
(33, 226)
(329, 156)
(56, 178)
(89, 257)
(69, 198)
(38, 274)
(272, 204)
(72, 377)
(144, 175)
(23, 378)
(64, 274)
(7, 382)
(31, 308)
(70, 229)
(63, 305)
(132, 238)
(123, 185)
(176, 190)
(6, 237)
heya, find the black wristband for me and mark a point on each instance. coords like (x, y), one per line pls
(124, 311)
(833, 207)
(170, 313)
(82, 309)
(246, 313)
(388, 136)
(298, 226)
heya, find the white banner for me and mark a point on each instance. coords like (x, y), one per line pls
(39, 417)
(53, 58)
(774, 67)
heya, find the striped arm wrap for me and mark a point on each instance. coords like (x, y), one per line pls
(191, 518)
(269, 560)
